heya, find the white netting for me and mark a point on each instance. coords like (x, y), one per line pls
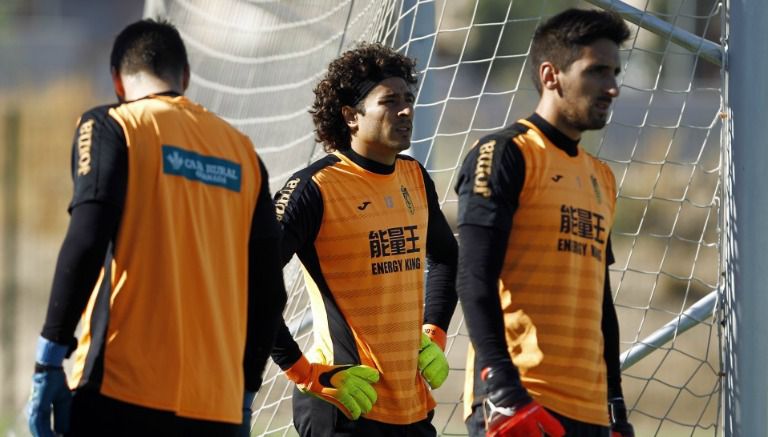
(255, 63)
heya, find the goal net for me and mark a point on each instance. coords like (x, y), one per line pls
(255, 63)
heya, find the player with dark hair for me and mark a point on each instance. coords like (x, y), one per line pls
(365, 222)
(169, 252)
(535, 215)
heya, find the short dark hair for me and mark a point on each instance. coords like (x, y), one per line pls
(349, 79)
(560, 39)
(152, 46)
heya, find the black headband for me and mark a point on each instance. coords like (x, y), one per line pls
(362, 89)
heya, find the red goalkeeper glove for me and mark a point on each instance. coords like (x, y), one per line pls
(348, 387)
(510, 412)
(620, 426)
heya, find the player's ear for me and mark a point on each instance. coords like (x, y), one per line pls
(548, 76)
(117, 84)
(350, 116)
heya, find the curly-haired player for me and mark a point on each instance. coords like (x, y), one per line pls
(348, 81)
(365, 222)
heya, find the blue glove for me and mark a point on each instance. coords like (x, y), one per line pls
(49, 391)
(245, 427)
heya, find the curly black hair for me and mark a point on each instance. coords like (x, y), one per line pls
(347, 82)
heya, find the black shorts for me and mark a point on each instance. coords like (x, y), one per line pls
(313, 417)
(573, 428)
(94, 414)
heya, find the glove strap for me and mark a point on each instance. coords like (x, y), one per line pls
(436, 334)
(41, 368)
(300, 371)
(49, 353)
(504, 387)
(617, 410)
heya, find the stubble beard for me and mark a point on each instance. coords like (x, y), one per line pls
(400, 145)
(588, 119)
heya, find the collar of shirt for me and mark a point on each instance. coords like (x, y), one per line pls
(559, 139)
(369, 164)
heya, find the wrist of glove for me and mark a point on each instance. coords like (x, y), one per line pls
(50, 391)
(510, 411)
(348, 387)
(617, 411)
(49, 353)
(436, 334)
(433, 365)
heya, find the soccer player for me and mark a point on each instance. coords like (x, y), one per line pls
(365, 222)
(168, 251)
(535, 215)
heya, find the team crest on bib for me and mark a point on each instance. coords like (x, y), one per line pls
(407, 199)
(596, 187)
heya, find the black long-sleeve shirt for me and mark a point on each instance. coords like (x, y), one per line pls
(483, 242)
(300, 203)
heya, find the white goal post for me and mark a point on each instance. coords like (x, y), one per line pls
(255, 62)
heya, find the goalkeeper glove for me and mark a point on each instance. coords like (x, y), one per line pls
(510, 412)
(620, 426)
(432, 363)
(348, 387)
(49, 390)
(436, 334)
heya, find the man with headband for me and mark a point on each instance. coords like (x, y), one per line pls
(365, 222)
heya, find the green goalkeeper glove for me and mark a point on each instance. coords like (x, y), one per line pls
(348, 387)
(432, 362)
